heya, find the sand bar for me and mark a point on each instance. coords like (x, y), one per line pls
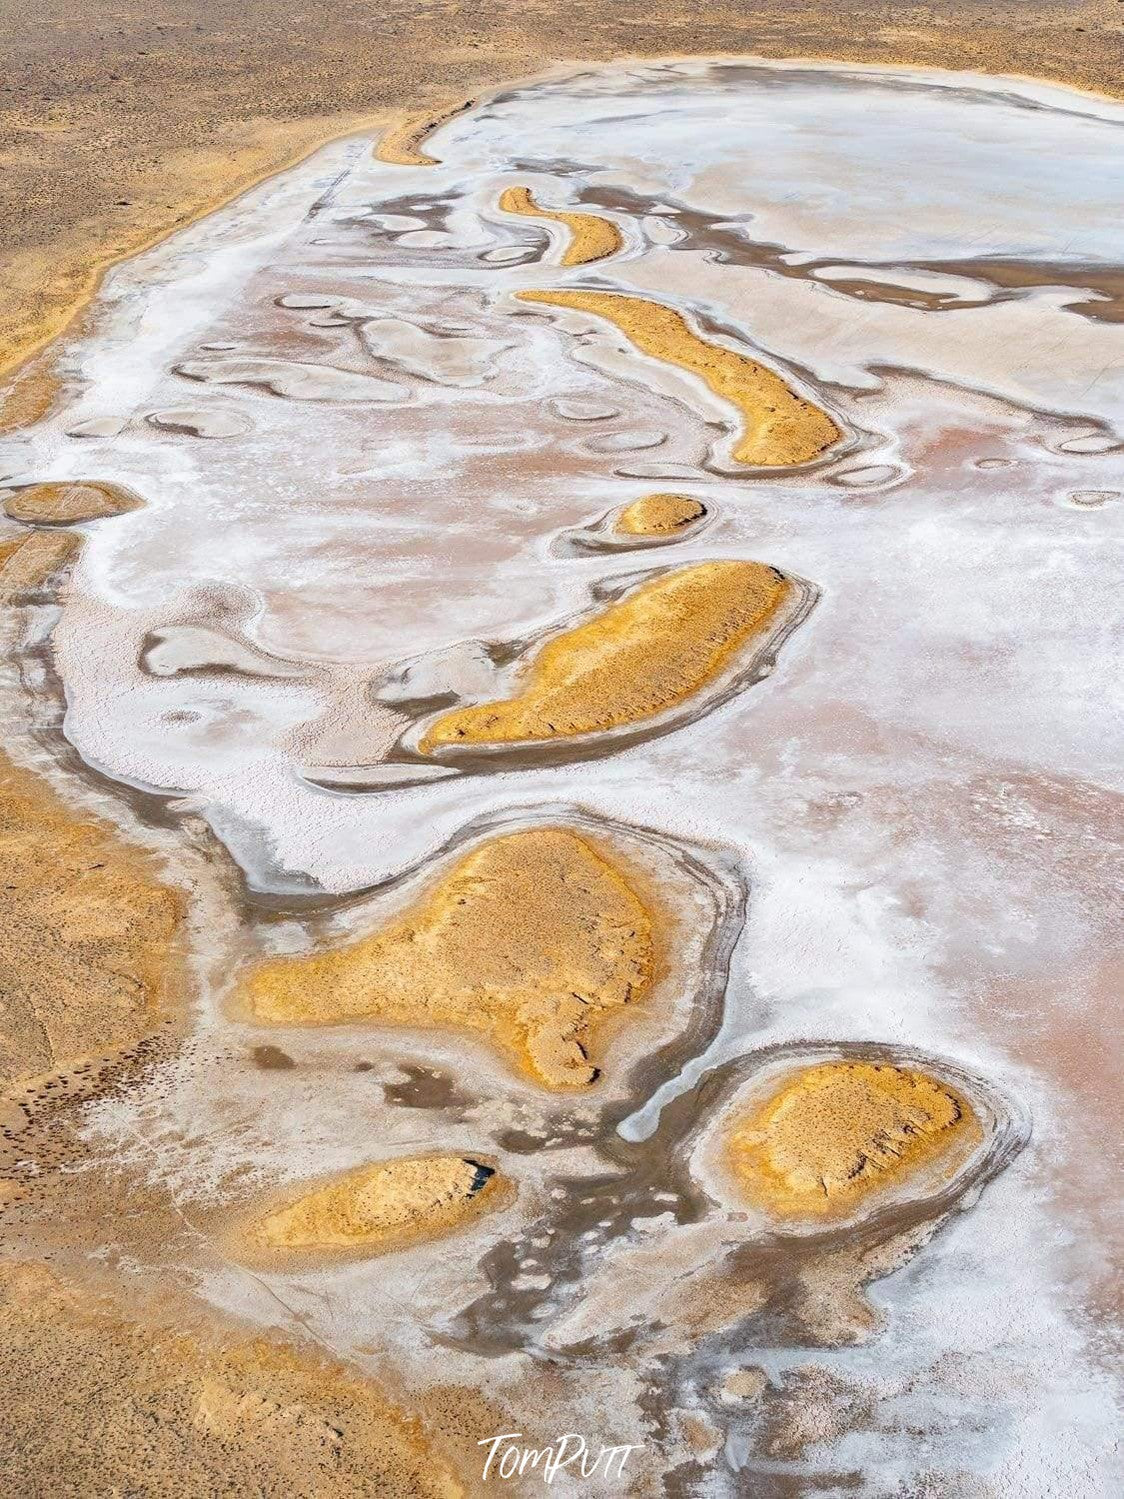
(591, 236)
(781, 427)
(647, 653)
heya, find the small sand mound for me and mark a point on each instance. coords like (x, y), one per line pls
(659, 515)
(65, 504)
(385, 1206)
(781, 427)
(643, 655)
(591, 236)
(835, 1134)
(533, 938)
(27, 561)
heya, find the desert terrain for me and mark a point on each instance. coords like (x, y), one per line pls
(559, 797)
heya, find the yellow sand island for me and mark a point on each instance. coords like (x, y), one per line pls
(781, 427)
(385, 1206)
(641, 656)
(837, 1133)
(27, 561)
(534, 938)
(658, 515)
(30, 395)
(68, 502)
(591, 236)
(401, 145)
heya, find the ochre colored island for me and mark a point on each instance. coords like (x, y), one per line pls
(658, 515)
(385, 1206)
(643, 655)
(591, 236)
(836, 1134)
(534, 938)
(68, 502)
(781, 428)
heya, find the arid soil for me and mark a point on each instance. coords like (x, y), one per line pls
(90, 959)
(118, 126)
(167, 1413)
(115, 128)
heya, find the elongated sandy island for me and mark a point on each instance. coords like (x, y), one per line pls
(781, 427)
(592, 237)
(645, 654)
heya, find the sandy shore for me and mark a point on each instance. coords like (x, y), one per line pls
(92, 960)
(116, 133)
